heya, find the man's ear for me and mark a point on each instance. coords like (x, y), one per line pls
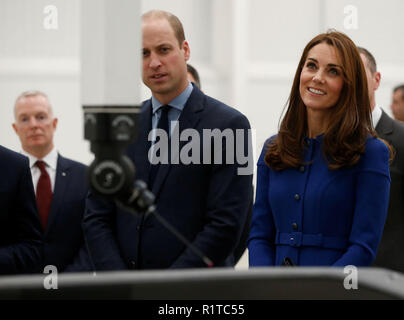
(187, 50)
(15, 128)
(377, 77)
(55, 123)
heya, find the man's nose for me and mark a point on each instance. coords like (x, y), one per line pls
(154, 61)
(32, 122)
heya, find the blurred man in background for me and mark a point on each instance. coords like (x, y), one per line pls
(60, 184)
(391, 249)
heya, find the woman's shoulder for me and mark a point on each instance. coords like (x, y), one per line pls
(261, 160)
(375, 145)
(376, 156)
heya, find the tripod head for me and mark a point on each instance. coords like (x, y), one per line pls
(110, 130)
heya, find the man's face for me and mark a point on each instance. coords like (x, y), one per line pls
(373, 81)
(397, 105)
(164, 60)
(34, 124)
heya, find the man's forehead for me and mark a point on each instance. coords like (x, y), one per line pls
(35, 99)
(32, 104)
(158, 27)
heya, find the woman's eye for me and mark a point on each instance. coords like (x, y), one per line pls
(311, 65)
(334, 72)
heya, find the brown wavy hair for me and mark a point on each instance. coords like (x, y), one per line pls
(345, 137)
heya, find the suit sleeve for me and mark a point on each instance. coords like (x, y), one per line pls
(99, 234)
(228, 200)
(372, 199)
(261, 247)
(24, 254)
(81, 262)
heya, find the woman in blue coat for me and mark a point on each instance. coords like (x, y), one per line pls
(323, 181)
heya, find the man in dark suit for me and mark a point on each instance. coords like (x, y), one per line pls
(193, 76)
(397, 103)
(206, 201)
(20, 230)
(391, 249)
(60, 184)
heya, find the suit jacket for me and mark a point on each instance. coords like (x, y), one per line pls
(391, 250)
(20, 228)
(64, 240)
(206, 203)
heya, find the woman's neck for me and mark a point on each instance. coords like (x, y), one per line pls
(317, 122)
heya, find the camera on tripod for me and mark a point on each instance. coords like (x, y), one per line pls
(110, 129)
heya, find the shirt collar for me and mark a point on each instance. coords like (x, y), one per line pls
(50, 159)
(376, 115)
(178, 102)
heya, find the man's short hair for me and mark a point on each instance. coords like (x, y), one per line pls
(31, 93)
(195, 74)
(400, 87)
(172, 19)
(371, 61)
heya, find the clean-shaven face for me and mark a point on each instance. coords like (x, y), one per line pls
(34, 124)
(164, 60)
(321, 79)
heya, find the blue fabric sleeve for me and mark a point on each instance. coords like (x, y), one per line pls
(261, 245)
(372, 199)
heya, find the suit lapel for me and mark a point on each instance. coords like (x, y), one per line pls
(384, 127)
(61, 182)
(138, 151)
(189, 118)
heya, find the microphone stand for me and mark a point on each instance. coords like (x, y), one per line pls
(142, 200)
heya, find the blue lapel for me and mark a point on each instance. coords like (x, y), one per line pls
(138, 150)
(61, 183)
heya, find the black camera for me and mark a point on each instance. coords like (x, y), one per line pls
(110, 129)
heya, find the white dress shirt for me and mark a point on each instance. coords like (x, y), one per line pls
(376, 115)
(50, 159)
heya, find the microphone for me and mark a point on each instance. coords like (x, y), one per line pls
(110, 129)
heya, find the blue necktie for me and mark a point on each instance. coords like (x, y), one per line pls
(162, 124)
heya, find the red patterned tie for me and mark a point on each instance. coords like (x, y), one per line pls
(43, 193)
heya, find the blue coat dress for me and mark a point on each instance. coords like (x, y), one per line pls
(321, 217)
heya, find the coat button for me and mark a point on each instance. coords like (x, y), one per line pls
(301, 169)
(297, 197)
(294, 226)
(133, 264)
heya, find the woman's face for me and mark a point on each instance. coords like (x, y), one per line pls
(321, 78)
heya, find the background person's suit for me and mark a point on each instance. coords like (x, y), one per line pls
(207, 203)
(391, 249)
(20, 229)
(64, 240)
